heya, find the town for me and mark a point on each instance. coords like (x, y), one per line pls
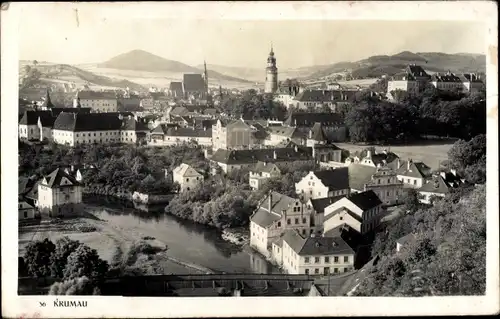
(303, 178)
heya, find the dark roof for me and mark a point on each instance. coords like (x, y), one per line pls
(441, 184)
(131, 124)
(193, 82)
(309, 119)
(447, 77)
(417, 169)
(325, 96)
(47, 103)
(47, 120)
(58, 110)
(25, 185)
(279, 202)
(320, 204)
(31, 117)
(334, 179)
(96, 95)
(365, 200)
(471, 77)
(54, 179)
(403, 76)
(179, 110)
(417, 71)
(265, 167)
(311, 246)
(182, 132)
(176, 87)
(264, 155)
(263, 218)
(80, 122)
(379, 158)
(350, 235)
(317, 133)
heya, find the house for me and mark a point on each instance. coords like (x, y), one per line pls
(386, 185)
(332, 124)
(403, 81)
(28, 125)
(232, 135)
(281, 134)
(361, 211)
(412, 174)
(164, 135)
(471, 83)
(322, 98)
(147, 103)
(447, 82)
(99, 102)
(261, 172)
(133, 130)
(326, 183)
(26, 208)
(403, 241)
(318, 211)
(323, 148)
(439, 185)
(59, 194)
(374, 160)
(275, 214)
(187, 177)
(229, 160)
(313, 255)
(77, 128)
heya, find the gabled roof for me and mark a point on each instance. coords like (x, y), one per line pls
(193, 82)
(448, 77)
(436, 185)
(81, 122)
(365, 200)
(31, 117)
(58, 178)
(417, 170)
(383, 158)
(359, 175)
(317, 133)
(264, 155)
(289, 132)
(263, 218)
(470, 77)
(406, 239)
(96, 95)
(403, 76)
(47, 103)
(186, 171)
(416, 70)
(309, 119)
(176, 87)
(320, 204)
(316, 246)
(348, 211)
(131, 124)
(263, 167)
(334, 179)
(279, 202)
(324, 96)
(179, 111)
(58, 110)
(25, 185)
(47, 120)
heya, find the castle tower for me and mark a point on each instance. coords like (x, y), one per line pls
(205, 76)
(271, 74)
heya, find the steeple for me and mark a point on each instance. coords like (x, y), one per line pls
(47, 103)
(272, 51)
(271, 84)
(205, 75)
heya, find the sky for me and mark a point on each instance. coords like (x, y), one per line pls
(58, 34)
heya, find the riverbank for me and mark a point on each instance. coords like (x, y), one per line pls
(105, 238)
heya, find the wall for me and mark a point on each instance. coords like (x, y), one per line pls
(412, 182)
(30, 132)
(177, 140)
(259, 238)
(100, 105)
(188, 182)
(25, 211)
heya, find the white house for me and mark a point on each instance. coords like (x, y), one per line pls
(99, 102)
(360, 211)
(312, 255)
(327, 183)
(261, 172)
(439, 185)
(59, 194)
(163, 135)
(26, 208)
(187, 177)
(412, 174)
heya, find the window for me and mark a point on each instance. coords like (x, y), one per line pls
(319, 193)
(304, 220)
(326, 270)
(327, 259)
(345, 269)
(346, 259)
(187, 188)
(279, 224)
(187, 179)
(414, 182)
(316, 260)
(316, 271)
(306, 260)
(296, 221)
(25, 214)
(303, 231)
(307, 271)
(335, 270)
(336, 259)
(341, 218)
(288, 221)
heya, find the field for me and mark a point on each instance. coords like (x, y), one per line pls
(429, 152)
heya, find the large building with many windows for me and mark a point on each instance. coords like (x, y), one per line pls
(99, 102)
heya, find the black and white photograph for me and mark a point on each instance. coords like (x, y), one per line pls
(209, 156)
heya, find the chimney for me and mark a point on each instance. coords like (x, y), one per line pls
(408, 164)
(275, 156)
(270, 201)
(399, 163)
(453, 171)
(369, 154)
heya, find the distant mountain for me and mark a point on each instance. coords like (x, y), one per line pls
(139, 60)
(378, 65)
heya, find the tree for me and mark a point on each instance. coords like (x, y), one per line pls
(37, 257)
(85, 261)
(469, 158)
(76, 286)
(59, 259)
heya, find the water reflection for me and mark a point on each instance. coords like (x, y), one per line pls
(186, 240)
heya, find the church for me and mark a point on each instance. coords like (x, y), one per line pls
(271, 85)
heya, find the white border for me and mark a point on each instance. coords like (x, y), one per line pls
(14, 306)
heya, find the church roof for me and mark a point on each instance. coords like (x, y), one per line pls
(193, 82)
(59, 178)
(47, 103)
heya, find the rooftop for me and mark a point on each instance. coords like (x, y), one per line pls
(316, 246)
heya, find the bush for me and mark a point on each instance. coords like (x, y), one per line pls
(76, 286)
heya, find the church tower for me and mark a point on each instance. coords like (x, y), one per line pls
(271, 85)
(205, 77)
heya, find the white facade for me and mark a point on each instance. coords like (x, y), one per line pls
(403, 85)
(59, 200)
(29, 132)
(99, 105)
(370, 219)
(187, 177)
(286, 99)
(293, 263)
(448, 86)
(176, 140)
(75, 138)
(312, 187)
(259, 238)
(25, 210)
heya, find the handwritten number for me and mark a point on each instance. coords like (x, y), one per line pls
(42, 304)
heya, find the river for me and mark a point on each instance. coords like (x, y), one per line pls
(186, 240)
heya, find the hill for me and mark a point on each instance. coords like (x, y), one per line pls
(50, 73)
(378, 65)
(139, 60)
